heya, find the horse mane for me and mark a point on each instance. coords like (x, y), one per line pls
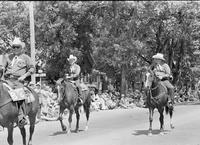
(67, 85)
(159, 84)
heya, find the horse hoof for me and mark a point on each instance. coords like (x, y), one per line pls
(68, 131)
(86, 128)
(149, 134)
(64, 128)
(172, 127)
(76, 131)
(161, 133)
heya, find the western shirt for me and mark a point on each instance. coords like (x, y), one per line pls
(20, 65)
(162, 71)
(75, 70)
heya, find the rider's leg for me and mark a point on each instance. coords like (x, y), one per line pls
(79, 91)
(21, 115)
(170, 88)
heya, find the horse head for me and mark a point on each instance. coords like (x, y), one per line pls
(62, 86)
(59, 88)
(150, 79)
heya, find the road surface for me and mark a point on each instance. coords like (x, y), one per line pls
(120, 127)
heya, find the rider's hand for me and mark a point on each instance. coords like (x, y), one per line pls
(160, 77)
(67, 77)
(21, 78)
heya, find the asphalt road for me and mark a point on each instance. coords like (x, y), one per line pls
(120, 127)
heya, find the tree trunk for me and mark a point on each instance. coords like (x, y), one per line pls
(176, 73)
(123, 80)
(115, 12)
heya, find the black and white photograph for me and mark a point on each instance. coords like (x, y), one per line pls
(99, 72)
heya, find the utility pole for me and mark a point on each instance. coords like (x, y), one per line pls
(32, 37)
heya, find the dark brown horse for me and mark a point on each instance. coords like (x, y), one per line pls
(9, 110)
(157, 97)
(68, 97)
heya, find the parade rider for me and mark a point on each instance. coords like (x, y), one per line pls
(163, 72)
(19, 68)
(74, 75)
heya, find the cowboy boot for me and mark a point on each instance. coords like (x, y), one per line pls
(21, 116)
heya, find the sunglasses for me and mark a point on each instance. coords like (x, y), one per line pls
(16, 47)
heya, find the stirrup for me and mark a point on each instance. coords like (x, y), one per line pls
(22, 122)
(80, 100)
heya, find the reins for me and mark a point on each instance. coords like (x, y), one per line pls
(150, 93)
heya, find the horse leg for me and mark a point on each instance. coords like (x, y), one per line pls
(23, 133)
(70, 120)
(32, 120)
(10, 135)
(61, 119)
(160, 110)
(87, 113)
(77, 118)
(171, 114)
(151, 111)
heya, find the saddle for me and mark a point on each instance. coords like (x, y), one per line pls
(18, 94)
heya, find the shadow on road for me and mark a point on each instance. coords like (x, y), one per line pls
(145, 132)
(64, 132)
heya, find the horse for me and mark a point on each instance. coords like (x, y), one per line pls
(68, 97)
(9, 110)
(157, 97)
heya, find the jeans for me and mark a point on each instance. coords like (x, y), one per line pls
(170, 89)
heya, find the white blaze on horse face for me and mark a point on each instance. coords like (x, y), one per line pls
(58, 88)
(147, 82)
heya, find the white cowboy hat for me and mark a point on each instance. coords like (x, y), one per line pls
(159, 56)
(72, 57)
(18, 42)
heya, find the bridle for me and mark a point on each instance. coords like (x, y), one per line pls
(150, 89)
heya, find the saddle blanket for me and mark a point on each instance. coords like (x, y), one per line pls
(20, 94)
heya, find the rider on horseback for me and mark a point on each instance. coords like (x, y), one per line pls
(74, 74)
(163, 72)
(17, 70)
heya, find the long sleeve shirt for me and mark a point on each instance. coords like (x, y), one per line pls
(20, 65)
(75, 70)
(162, 70)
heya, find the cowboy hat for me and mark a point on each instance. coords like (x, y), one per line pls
(72, 57)
(18, 42)
(159, 56)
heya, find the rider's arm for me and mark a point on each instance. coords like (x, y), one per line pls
(30, 66)
(167, 70)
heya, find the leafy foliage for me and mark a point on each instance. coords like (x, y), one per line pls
(122, 36)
